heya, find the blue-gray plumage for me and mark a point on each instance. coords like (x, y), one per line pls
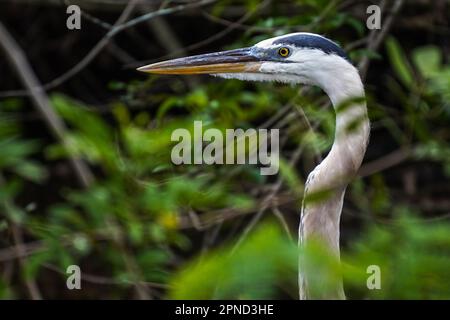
(311, 41)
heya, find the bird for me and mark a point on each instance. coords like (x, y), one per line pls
(314, 60)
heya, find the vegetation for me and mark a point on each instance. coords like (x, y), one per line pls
(146, 228)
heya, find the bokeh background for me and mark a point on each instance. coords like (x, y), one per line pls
(86, 176)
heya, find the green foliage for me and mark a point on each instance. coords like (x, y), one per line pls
(413, 256)
(16, 163)
(429, 92)
(399, 62)
(253, 271)
(145, 219)
(146, 211)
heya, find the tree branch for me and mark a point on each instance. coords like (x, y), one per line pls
(41, 101)
(376, 37)
(118, 27)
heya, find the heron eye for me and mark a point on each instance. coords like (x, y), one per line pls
(284, 52)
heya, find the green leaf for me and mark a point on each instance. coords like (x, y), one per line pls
(31, 171)
(399, 62)
(265, 259)
(428, 60)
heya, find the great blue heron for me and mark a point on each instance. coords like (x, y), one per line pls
(314, 60)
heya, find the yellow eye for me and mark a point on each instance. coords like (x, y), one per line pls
(284, 52)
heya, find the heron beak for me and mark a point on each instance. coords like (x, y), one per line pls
(232, 61)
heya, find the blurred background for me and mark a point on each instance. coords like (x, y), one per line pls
(85, 171)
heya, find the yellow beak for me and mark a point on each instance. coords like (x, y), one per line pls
(232, 61)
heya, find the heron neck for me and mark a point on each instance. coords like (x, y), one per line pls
(351, 130)
(320, 219)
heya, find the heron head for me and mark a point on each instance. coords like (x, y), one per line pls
(292, 58)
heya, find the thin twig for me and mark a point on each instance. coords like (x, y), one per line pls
(96, 279)
(283, 222)
(118, 27)
(32, 287)
(31, 284)
(91, 18)
(385, 162)
(208, 40)
(376, 37)
(41, 101)
(274, 190)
